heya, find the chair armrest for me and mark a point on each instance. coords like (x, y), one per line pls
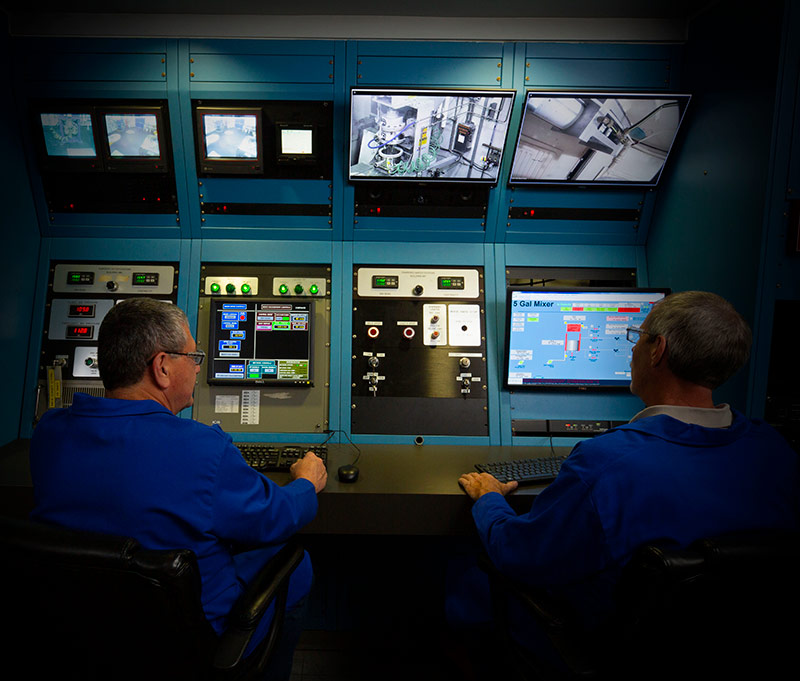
(271, 584)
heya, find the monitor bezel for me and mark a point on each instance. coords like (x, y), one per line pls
(507, 93)
(52, 163)
(568, 387)
(210, 166)
(216, 301)
(683, 98)
(135, 164)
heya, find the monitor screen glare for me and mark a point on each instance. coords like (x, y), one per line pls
(133, 135)
(573, 338)
(428, 135)
(230, 136)
(68, 134)
(296, 141)
(579, 138)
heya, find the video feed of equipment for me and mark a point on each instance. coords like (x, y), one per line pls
(446, 135)
(133, 135)
(596, 138)
(255, 342)
(572, 338)
(68, 134)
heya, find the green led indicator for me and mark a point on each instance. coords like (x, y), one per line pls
(284, 289)
(230, 288)
(298, 289)
(214, 287)
(245, 288)
(313, 289)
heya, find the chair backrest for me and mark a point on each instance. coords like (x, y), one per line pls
(724, 605)
(101, 606)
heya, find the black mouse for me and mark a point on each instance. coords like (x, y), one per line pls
(348, 473)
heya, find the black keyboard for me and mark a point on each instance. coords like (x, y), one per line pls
(524, 470)
(274, 458)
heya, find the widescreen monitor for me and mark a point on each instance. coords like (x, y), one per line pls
(428, 135)
(68, 135)
(596, 138)
(572, 338)
(260, 342)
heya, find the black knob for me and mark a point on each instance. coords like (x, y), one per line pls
(417, 290)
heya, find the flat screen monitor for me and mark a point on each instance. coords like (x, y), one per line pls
(596, 138)
(68, 135)
(260, 342)
(296, 142)
(229, 140)
(572, 338)
(134, 139)
(428, 135)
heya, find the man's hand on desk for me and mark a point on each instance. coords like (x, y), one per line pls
(312, 469)
(478, 484)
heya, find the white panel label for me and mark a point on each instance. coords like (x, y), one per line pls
(226, 404)
(251, 404)
(434, 324)
(464, 325)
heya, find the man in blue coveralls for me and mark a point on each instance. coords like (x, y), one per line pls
(125, 464)
(683, 468)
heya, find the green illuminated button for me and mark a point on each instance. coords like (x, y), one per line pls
(284, 289)
(214, 287)
(230, 288)
(298, 289)
(245, 288)
(313, 289)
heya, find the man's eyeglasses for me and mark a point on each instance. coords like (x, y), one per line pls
(635, 331)
(197, 357)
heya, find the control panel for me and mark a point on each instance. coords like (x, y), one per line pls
(266, 332)
(419, 351)
(79, 296)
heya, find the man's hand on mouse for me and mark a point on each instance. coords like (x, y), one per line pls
(478, 484)
(312, 469)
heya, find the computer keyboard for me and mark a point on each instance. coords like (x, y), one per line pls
(274, 458)
(524, 470)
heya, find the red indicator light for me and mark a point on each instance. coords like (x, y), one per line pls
(379, 209)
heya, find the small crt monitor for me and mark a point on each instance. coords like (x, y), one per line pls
(430, 135)
(596, 138)
(296, 142)
(68, 135)
(229, 140)
(134, 139)
(260, 342)
(572, 338)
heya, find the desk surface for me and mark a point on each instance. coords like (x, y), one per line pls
(401, 489)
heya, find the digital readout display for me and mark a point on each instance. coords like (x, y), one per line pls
(81, 310)
(145, 279)
(451, 283)
(380, 281)
(80, 278)
(80, 332)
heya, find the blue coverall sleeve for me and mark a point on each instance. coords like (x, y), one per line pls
(252, 509)
(559, 541)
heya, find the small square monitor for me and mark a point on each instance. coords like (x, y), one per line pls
(295, 142)
(230, 136)
(132, 135)
(68, 135)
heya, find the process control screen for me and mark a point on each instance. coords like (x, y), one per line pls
(573, 338)
(256, 342)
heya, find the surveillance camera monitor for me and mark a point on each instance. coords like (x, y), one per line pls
(229, 140)
(135, 139)
(572, 338)
(69, 135)
(428, 135)
(260, 342)
(597, 139)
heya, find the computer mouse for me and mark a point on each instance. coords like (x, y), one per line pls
(348, 473)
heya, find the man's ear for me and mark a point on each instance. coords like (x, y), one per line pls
(159, 371)
(658, 350)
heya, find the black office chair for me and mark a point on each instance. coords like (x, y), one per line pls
(725, 607)
(92, 606)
